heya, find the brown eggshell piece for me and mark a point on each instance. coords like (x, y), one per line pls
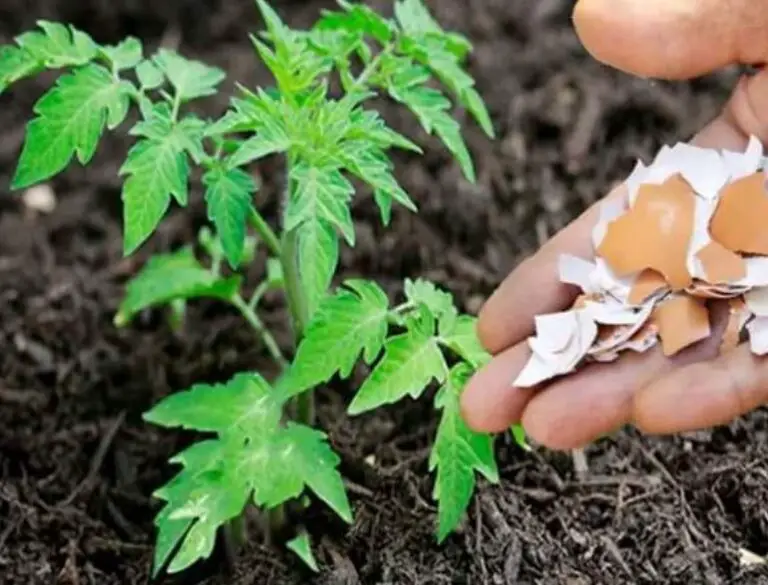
(682, 321)
(647, 283)
(740, 219)
(720, 264)
(654, 233)
(737, 309)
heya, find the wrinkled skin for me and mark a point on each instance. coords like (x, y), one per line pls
(699, 388)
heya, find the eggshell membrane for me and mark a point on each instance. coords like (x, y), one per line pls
(740, 220)
(682, 321)
(654, 233)
(721, 264)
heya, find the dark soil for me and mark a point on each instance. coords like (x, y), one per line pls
(77, 465)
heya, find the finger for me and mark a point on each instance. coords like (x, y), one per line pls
(673, 40)
(490, 402)
(534, 287)
(703, 395)
(598, 400)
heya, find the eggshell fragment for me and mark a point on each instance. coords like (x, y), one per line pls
(689, 227)
(739, 222)
(648, 283)
(654, 233)
(682, 321)
(738, 315)
(720, 264)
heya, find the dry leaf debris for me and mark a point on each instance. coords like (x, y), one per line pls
(692, 227)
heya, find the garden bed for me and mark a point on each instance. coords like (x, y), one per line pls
(78, 465)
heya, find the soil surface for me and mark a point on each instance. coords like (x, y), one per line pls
(77, 465)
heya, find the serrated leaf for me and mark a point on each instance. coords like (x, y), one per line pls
(436, 302)
(371, 166)
(252, 457)
(229, 198)
(413, 17)
(172, 276)
(302, 548)
(435, 52)
(70, 120)
(149, 75)
(358, 18)
(458, 452)
(318, 252)
(242, 403)
(158, 169)
(269, 140)
(409, 364)
(462, 338)
(431, 108)
(350, 323)
(58, 45)
(125, 55)
(190, 79)
(322, 193)
(16, 64)
(313, 458)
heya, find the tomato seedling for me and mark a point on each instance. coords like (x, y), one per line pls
(256, 455)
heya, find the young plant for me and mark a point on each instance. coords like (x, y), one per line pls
(261, 448)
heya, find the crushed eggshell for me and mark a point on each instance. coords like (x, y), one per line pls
(689, 231)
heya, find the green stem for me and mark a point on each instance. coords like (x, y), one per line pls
(304, 403)
(265, 232)
(373, 65)
(253, 320)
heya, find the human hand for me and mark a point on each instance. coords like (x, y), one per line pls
(698, 388)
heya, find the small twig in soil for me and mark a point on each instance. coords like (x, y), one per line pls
(97, 461)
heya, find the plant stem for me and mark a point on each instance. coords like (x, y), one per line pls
(265, 232)
(249, 315)
(373, 65)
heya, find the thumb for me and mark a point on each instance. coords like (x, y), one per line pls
(673, 39)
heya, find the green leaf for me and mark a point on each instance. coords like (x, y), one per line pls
(172, 276)
(70, 121)
(351, 322)
(206, 494)
(458, 452)
(229, 197)
(252, 457)
(125, 55)
(431, 108)
(302, 547)
(435, 53)
(270, 140)
(190, 79)
(519, 435)
(158, 169)
(318, 251)
(462, 338)
(358, 18)
(439, 302)
(58, 45)
(313, 458)
(245, 402)
(149, 75)
(16, 64)
(370, 165)
(322, 193)
(410, 362)
(414, 18)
